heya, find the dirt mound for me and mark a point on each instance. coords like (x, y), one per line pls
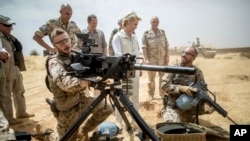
(239, 77)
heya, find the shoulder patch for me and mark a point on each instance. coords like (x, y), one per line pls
(43, 28)
(72, 22)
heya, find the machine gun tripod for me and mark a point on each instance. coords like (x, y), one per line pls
(119, 98)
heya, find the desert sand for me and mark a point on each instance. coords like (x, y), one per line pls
(227, 75)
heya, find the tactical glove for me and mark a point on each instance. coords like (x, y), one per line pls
(187, 90)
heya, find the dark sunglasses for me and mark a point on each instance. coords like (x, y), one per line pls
(7, 25)
(188, 53)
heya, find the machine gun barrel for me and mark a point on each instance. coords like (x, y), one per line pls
(168, 69)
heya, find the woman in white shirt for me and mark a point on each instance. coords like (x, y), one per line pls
(125, 41)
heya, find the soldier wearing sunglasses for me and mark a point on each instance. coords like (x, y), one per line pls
(13, 77)
(174, 85)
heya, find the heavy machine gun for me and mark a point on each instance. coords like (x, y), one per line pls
(88, 66)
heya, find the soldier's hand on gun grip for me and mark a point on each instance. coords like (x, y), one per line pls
(107, 81)
(187, 89)
(84, 83)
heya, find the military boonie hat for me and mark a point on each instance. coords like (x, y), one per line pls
(6, 20)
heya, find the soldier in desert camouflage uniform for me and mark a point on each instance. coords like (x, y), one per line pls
(67, 90)
(155, 51)
(62, 22)
(175, 84)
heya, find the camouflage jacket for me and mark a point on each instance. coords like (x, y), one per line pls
(66, 89)
(71, 28)
(170, 82)
(156, 45)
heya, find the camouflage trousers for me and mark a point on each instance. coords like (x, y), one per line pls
(172, 114)
(66, 118)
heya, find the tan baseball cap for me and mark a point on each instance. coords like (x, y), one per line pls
(6, 20)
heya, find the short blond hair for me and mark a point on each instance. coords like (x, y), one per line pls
(130, 17)
(56, 32)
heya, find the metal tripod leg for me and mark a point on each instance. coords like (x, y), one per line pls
(147, 132)
(125, 102)
(84, 115)
(113, 95)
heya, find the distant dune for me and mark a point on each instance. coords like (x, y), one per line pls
(233, 50)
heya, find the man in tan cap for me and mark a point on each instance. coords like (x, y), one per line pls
(12, 70)
(6, 133)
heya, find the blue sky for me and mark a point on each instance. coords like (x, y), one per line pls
(218, 23)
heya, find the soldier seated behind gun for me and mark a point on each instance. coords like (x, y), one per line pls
(69, 99)
(175, 85)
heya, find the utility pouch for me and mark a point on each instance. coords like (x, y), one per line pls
(165, 101)
(52, 107)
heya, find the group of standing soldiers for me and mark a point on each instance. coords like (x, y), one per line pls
(62, 32)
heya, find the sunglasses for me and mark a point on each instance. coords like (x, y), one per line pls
(187, 53)
(7, 25)
(63, 41)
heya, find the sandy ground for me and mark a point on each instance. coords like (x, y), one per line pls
(36, 92)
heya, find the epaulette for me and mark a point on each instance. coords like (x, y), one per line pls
(72, 22)
(162, 30)
(52, 20)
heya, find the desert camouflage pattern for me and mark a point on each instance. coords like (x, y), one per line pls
(170, 82)
(71, 28)
(157, 46)
(157, 49)
(70, 99)
(68, 117)
(66, 89)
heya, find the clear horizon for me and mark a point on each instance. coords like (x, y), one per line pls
(219, 24)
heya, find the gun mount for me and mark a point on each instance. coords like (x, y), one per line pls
(88, 66)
